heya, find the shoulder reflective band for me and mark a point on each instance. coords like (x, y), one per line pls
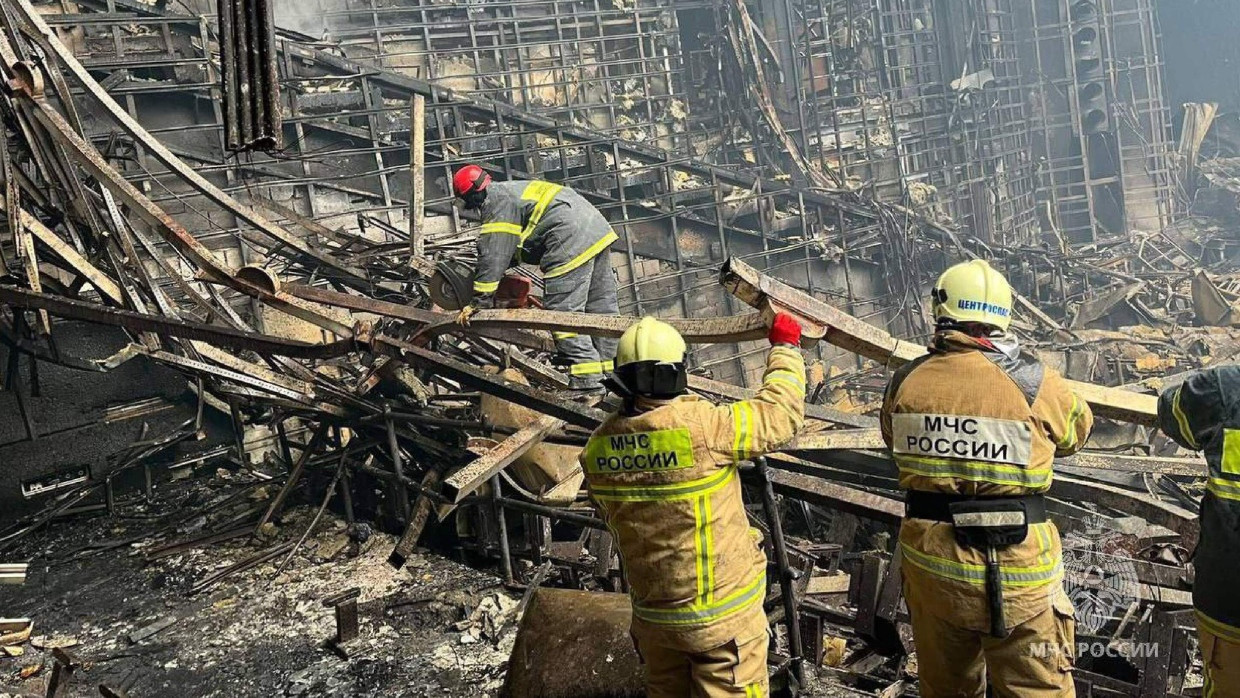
(647, 451)
(1182, 419)
(541, 193)
(1069, 435)
(695, 613)
(654, 493)
(981, 439)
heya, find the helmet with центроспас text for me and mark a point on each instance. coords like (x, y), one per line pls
(972, 292)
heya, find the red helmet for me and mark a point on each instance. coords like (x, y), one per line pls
(469, 179)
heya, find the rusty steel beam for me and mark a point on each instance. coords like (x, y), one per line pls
(176, 235)
(400, 311)
(571, 412)
(1136, 464)
(847, 332)
(141, 322)
(153, 146)
(198, 367)
(1147, 507)
(736, 328)
(101, 281)
(829, 494)
(227, 360)
(465, 481)
(839, 440)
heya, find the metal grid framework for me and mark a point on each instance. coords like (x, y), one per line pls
(1109, 184)
(865, 94)
(610, 67)
(858, 70)
(347, 158)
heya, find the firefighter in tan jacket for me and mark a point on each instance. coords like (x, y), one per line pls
(974, 427)
(663, 472)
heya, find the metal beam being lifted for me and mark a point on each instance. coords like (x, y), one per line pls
(847, 332)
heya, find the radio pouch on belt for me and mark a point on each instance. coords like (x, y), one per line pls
(990, 526)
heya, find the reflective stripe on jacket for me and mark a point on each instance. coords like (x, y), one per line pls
(1203, 414)
(536, 223)
(968, 419)
(666, 482)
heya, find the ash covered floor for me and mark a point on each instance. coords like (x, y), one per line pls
(111, 592)
(257, 633)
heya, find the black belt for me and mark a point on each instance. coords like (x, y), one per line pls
(935, 505)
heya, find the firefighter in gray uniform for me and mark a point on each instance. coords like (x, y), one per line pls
(550, 225)
(1203, 414)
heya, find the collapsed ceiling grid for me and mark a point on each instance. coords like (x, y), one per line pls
(831, 155)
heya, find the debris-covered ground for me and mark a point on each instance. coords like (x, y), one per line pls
(434, 628)
(315, 397)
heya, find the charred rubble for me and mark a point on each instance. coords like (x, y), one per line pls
(231, 387)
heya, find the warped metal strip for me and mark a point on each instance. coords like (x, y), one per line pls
(161, 153)
(139, 322)
(847, 332)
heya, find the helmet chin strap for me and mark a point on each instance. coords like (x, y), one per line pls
(613, 383)
(973, 329)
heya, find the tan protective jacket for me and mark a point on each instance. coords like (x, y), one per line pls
(665, 481)
(969, 419)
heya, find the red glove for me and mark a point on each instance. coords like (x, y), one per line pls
(785, 330)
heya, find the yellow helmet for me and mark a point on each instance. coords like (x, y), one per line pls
(973, 292)
(650, 340)
(650, 360)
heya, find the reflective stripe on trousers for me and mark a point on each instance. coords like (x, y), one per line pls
(589, 288)
(591, 368)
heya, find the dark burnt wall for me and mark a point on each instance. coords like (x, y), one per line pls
(1202, 52)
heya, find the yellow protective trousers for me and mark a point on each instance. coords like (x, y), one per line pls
(1220, 659)
(732, 669)
(1033, 661)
